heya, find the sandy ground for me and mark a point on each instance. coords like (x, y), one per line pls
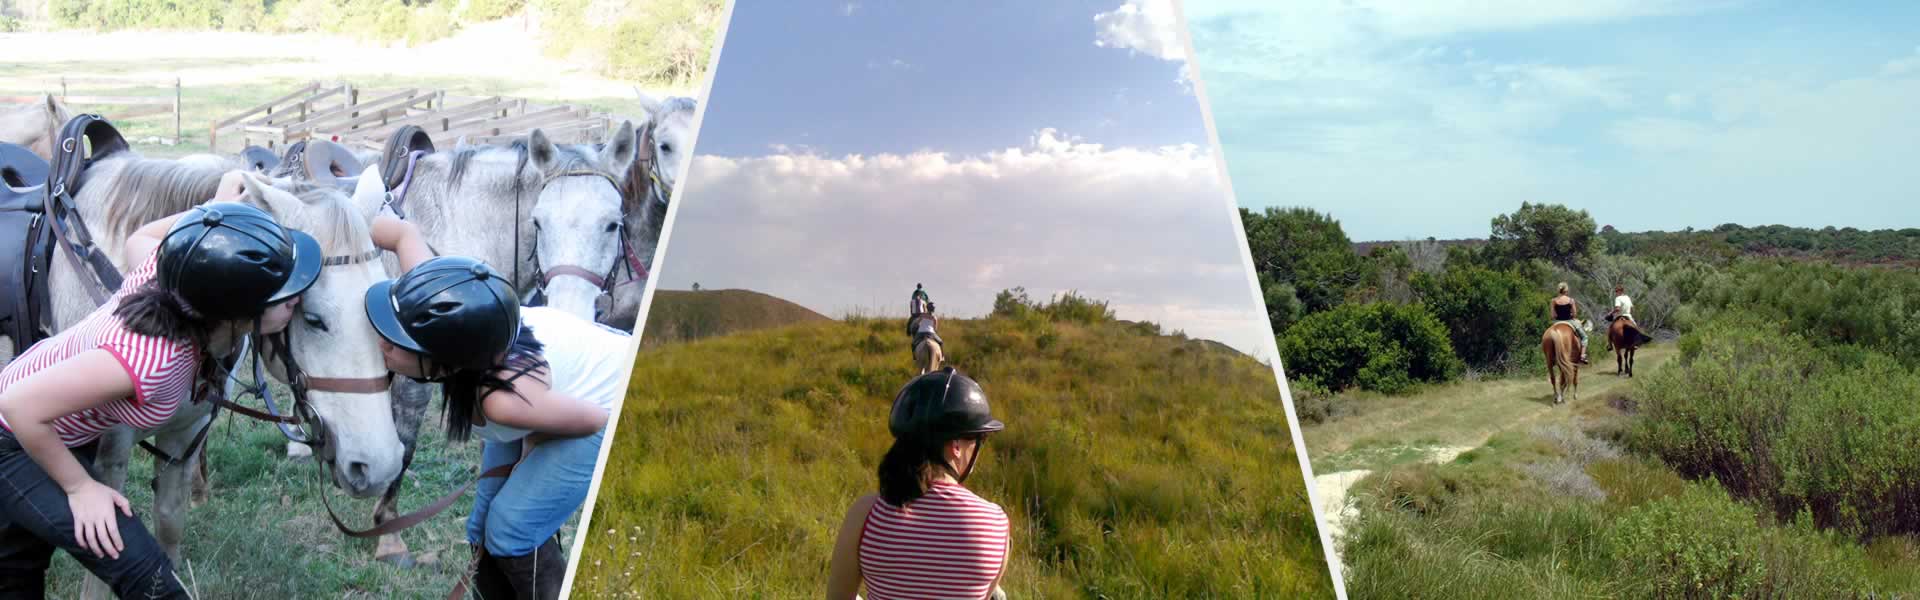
(502, 49)
(1333, 489)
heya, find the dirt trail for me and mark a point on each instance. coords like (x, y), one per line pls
(1442, 423)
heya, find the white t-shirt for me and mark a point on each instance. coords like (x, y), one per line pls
(586, 360)
(1625, 305)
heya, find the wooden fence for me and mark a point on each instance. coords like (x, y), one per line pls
(356, 117)
(113, 94)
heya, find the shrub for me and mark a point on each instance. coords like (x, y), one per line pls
(1772, 418)
(1376, 346)
(1487, 314)
(1704, 544)
(488, 10)
(1306, 250)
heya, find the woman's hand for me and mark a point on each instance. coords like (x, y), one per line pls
(401, 237)
(94, 525)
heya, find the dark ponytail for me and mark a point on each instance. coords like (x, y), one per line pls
(907, 470)
(162, 313)
(463, 389)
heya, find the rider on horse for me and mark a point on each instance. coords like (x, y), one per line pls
(1566, 310)
(919, 304)
(1622, 306)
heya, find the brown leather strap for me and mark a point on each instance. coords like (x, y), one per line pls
(576, 271)
(261, 415)
(413, 518)
(351, 385)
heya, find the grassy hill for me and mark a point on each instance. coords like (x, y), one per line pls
(1134, 465)
(679, 315)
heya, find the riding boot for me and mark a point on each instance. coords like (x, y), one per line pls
(489, 582)
(536, 576)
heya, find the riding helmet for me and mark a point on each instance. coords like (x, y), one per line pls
(942, 405)
(455, 310)
(232, 261)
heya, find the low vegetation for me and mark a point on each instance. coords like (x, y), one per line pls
(1134, 464)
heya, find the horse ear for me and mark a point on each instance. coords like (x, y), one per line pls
(370, 193)
(620, 149)
(540, 149)
(650, 104)
(263, 194)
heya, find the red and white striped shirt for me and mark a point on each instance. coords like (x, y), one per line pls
(948, 544)
(162, 371)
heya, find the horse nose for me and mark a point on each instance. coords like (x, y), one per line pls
(357, 475)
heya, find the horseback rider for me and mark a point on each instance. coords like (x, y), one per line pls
(1622, 306)
(206, 277)
(925, 535)
(1566, 310)
(542, 408)
(919, 304)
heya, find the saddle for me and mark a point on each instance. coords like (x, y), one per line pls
(33, 219)
(398, 155)
(260, 159)
(20, 167)
(321, 162)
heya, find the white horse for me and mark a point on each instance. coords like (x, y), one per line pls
(578, 221)
(34, 125)
(119, 192)
(655, 174)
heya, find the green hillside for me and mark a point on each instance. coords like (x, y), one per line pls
(1134, 464)
(679, 315)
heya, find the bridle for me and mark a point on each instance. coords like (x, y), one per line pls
(624, 257)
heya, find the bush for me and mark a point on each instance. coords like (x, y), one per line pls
(1306, 250)
(1068, 306)
(666, 41)
(1704, 544)
(1775, 419)
(488, 10)
(1488, 314)
(1377, 346)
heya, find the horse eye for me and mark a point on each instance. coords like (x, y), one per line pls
(314, 321)
(666, 148)
(612, 227)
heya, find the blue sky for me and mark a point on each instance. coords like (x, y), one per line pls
(850, 151)
(965, 77)
(1408, 120)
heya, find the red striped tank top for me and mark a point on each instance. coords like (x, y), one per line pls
(948, 544)
(162, 371)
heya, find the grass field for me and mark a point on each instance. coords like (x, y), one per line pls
(264, 533)
(681, 315)
(1134, 465)
(1528, 500)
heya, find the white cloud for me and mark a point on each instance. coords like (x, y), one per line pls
(1151, 27)
(1147, 26)
(1901, 66)
(892, 63)
(849, 8)
(1139, 227)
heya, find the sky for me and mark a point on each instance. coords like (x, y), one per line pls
(850, 151)
(1407, 120)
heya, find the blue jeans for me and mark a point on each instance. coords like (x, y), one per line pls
(35, 520)
(513, 516)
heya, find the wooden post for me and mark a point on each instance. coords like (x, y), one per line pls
(63, 88)
(176, 116)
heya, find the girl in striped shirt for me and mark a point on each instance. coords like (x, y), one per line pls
(925, 535)
(206, 277)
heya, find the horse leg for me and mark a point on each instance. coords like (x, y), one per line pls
(172, 491)
(410, 401)
(202, 488)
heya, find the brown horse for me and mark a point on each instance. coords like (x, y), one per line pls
(1563, 375)
(1625, 336)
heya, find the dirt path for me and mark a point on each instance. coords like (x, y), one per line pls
(1442, 423)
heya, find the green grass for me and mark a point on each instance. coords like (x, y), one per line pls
(264, 534)
(1133, 465)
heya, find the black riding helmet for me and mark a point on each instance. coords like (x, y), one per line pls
(940, 406)
(455, 310)
(232, 261)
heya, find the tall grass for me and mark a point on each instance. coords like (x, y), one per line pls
(1133, 465)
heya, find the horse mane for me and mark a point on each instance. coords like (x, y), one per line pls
(340, 229)
(148, 189)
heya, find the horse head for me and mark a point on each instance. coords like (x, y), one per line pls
(579, 227)
(331, 342)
